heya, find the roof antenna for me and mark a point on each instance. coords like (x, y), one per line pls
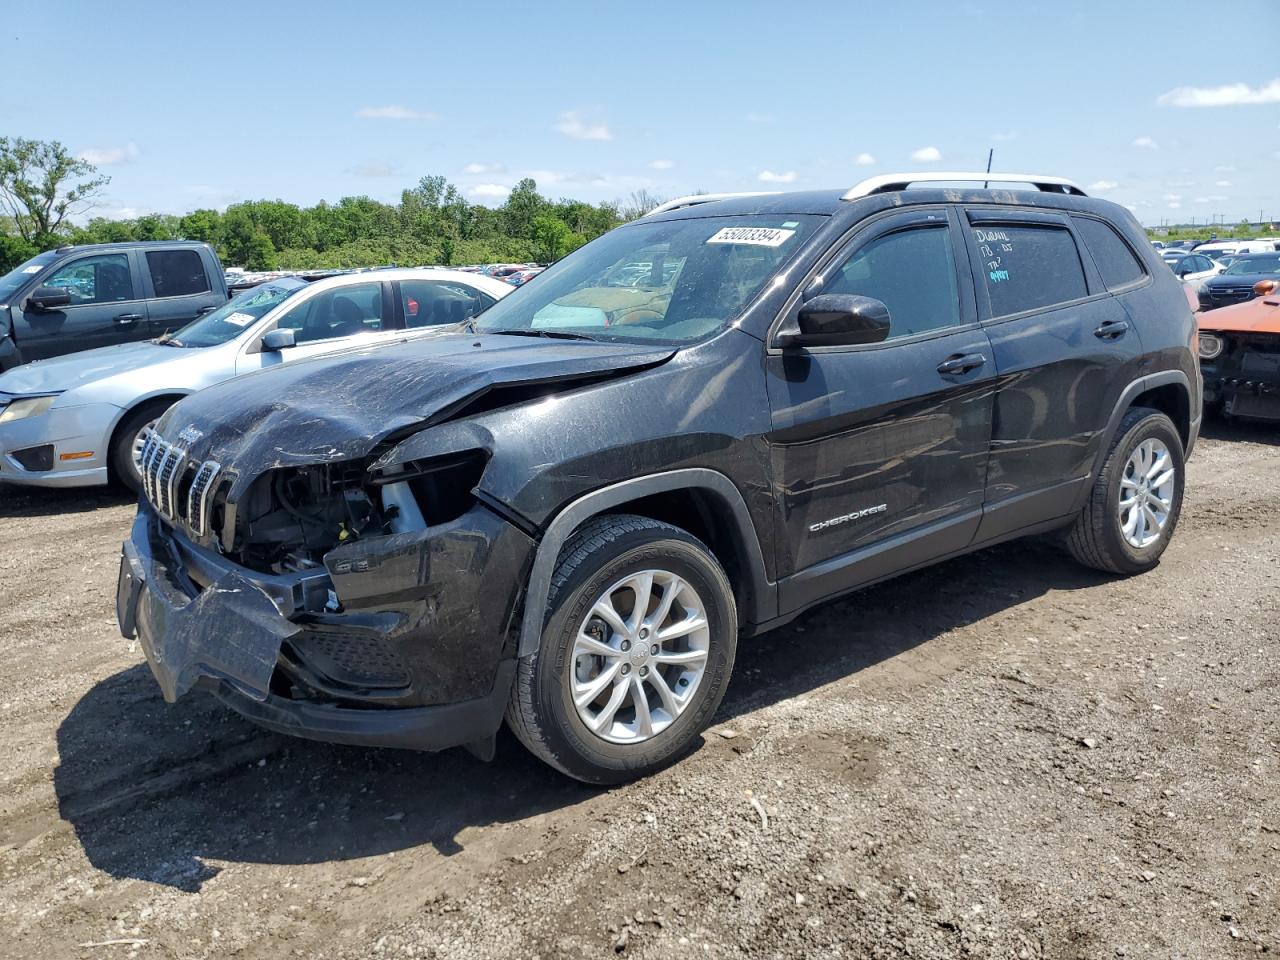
(990, 154)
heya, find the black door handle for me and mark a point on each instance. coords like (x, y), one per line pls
(203, 310)
(961, 363)
(1112, 330)
(127, 318)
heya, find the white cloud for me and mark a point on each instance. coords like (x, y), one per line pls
(1173, 196)
(768, 176)
(1210, 199)
(1101, 186)
(394, 113)
(1227, 95)
(477, 168)
(661, 164)
(489, 190)
(760, 118)
(1146, 143)
(572, 125)
(106, 156)
(1175, 205)
(1222, 183)
(927, 155)
(374, 169)
(1000, 137)
(864, 159)
(1224, 168)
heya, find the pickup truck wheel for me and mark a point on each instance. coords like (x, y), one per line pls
(127, 442)
(636, 652)
(1136, 498)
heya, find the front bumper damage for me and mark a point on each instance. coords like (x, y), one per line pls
(1245, 378)
(395, 643)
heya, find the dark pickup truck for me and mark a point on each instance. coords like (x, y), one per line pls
(79, 297)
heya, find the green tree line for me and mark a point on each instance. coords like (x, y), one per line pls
(42, 186)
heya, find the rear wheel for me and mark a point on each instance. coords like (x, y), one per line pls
(635, 656)
(128, 440)
(1136, 498)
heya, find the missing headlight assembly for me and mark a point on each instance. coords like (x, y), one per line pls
(289, 518)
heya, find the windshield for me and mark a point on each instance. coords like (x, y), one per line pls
(14, 280)
(1267, 263)
(233, 317)
(672, 281)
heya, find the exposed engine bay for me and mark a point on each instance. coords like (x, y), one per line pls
(291, 517)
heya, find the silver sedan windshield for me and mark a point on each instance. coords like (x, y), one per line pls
(233, 317)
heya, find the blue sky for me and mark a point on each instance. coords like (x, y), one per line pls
(202, 105)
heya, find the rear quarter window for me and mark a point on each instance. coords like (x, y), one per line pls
(1117, 264)
(177, 273)
(1028, 267)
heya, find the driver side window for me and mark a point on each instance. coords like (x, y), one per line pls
(342, 312)
(912, 272)
(101, 279)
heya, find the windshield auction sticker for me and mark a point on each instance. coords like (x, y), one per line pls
(753, 236)
(239, 319)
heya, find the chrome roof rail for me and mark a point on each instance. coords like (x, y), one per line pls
(693, 200)
(889, 182)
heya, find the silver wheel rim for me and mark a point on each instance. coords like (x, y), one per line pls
(1146, 493)
(139, 441)
(639, 656)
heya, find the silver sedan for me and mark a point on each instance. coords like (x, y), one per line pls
(81, 420)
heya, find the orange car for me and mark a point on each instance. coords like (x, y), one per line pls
(1240, 355)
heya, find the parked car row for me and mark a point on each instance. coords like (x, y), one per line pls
(83, 418)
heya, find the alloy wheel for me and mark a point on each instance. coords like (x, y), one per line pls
(1146, 493)
(638, 656)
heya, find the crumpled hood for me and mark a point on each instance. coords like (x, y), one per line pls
(341, 406)
(76, 369)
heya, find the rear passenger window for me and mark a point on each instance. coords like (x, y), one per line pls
(1115, 261)
(911, 272)
(1028, 268)
(177, 273)
(428, 303)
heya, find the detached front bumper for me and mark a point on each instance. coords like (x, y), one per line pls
(31, 449)
(395, 671)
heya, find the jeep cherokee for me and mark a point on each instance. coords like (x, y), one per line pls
(566, 511)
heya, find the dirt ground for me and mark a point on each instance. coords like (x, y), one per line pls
(1003, 756)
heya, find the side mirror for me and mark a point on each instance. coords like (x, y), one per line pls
(49, 298)
(838, 320)
(279, 339)
(1185, 272)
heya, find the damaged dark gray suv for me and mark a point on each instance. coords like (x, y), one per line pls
(567, 512)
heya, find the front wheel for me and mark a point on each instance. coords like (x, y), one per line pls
(636, 652)
(128, 441)
(1136, 499)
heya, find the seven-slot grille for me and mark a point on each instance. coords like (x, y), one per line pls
(164, 468)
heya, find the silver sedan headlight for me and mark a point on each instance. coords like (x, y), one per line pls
(27, 407)
(1211, 346)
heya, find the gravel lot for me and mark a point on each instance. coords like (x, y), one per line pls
(1003, 756)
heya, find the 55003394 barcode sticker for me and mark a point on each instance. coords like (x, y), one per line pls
(753, 236)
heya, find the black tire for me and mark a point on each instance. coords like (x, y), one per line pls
(1096, 539)
(123, 470)
(541, 711)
